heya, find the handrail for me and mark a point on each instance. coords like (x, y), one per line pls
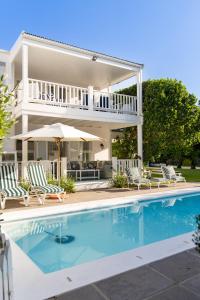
(70, 96)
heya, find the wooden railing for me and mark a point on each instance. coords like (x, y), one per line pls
(120, 165)
(51, 93)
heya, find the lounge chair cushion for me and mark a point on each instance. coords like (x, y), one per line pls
(37, 175)
(8, 182)
(169, 173)
(15, 192)
(50, 189)
(38, 180)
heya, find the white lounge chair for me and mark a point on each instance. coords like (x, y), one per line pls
(134, 177)
(170, 174)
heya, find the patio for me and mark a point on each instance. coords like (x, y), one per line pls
(173, 278)
(99, 194)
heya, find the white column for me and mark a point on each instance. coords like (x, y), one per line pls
(114, 165)
(25, 72)
(140, 144)
(140, 115)
(24, 144)
(90, 97)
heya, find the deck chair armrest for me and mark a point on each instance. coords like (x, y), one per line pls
(178, 173)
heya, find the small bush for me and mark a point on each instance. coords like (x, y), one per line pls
(52, 180)
(196, 235)
(119, 181)
(24, 184)
(186, 162)
(68, 184)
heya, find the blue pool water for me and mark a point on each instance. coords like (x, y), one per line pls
(103, 232)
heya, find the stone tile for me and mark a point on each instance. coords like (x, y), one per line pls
(84, 293)
(135, 284)
(178, 267)
(194, 252)
(193, 284)
(175, 293)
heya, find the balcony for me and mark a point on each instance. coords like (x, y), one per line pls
(68, 96)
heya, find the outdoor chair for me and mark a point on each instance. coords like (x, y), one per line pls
(170, 174)
(9, 187)
(134, 177)
(39, 184)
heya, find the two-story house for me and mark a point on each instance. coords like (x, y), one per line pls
(56, 82)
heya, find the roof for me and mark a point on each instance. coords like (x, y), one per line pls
(73, 47)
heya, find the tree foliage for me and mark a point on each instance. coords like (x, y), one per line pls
(171, 121)
(6, 117)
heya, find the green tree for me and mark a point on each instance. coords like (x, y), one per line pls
(171, 120)
(6, 117)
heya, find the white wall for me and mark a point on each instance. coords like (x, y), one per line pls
(105, 134)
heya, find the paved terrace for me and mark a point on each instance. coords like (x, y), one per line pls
(13, 205)
(174, 278)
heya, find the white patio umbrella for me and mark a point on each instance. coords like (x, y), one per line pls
(58, 133)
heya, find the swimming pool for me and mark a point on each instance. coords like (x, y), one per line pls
(103, 232)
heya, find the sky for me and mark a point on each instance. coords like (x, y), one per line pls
(164, 35)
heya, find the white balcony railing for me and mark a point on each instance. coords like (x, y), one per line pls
(114, 102)
(55, 94)
(120, 165)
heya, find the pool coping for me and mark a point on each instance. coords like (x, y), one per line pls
(38, 285)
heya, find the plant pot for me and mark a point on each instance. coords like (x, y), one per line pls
(53, 196)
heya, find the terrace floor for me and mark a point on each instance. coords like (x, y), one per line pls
(173, 278)
(101, 194)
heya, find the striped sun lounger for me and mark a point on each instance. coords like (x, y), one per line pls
(9, 187)
(39, 183)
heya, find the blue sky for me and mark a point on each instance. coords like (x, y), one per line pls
(162, 34)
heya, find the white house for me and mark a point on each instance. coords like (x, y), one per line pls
(57, 82)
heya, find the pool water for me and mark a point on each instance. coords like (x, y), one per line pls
(103, 232)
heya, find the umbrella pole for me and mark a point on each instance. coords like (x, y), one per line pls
(58, 141)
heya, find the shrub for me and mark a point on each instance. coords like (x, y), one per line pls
(187, 162)
(196, 235)
(119, 181)
(24, 184)
(52, 180)
(68, 184)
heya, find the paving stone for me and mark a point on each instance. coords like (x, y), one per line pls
(135, 284)
(84, 293)
(193, 284)
(194, 252)
(178, 267)
(175, 293)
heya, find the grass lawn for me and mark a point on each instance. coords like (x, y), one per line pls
(191, 175)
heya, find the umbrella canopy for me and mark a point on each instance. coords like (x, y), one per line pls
(56, 132)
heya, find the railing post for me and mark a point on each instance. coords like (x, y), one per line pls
(90, 97)
(114, 166)
(25, 72)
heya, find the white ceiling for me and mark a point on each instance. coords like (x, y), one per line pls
(63, 68)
